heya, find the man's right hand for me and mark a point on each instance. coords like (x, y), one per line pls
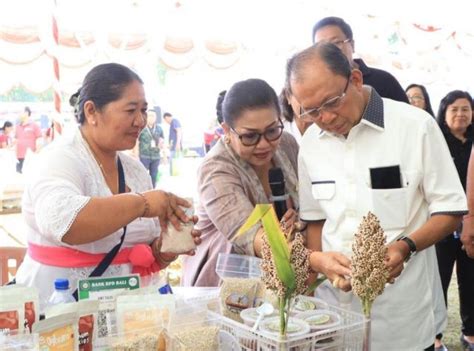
(334, 265)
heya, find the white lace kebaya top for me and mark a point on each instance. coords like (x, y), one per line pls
(65, 177)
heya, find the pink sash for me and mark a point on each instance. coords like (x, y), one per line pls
(140, 257)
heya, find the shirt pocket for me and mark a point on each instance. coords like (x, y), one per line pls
(390, 206)
(323, 189)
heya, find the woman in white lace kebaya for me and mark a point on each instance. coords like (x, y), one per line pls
(72, 205)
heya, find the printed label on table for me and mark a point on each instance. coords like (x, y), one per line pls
(106, 290)
(96, 288)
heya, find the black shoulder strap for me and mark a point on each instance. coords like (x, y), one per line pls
(107, 260)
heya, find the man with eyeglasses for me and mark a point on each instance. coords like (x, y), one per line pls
(335, 30)
(369, 153)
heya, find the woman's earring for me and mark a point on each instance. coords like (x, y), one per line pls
(227, 139)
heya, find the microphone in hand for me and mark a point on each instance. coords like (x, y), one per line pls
(277, 186)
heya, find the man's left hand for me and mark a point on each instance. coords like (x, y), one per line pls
(395, 259)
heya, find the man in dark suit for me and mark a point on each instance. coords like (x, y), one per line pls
(336, 31)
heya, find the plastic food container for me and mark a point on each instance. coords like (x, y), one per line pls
(320, 319)
(296, 327)
(250, 315)
(238, 266)
(307, 303)
(228, 342)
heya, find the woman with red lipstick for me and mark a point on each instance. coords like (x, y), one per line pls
(233, 177)
(88, 200)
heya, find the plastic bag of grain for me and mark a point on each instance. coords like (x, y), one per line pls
(138, 340)
(15, 341)
(140, 312)
(58, 333)
(191, 328)
(86, 313)
(241, 286)
(180, 241)
(26, 295)
(12, 311)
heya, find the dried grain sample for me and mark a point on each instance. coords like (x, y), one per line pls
(197, 339)
(369, 272)
(237, 294)
(269, 272)
(141, 342)
(299, 261)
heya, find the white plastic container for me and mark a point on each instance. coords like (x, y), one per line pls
(306, 303)
(320, 319)
(296, 327)
(61, 293)
(348, 335)
(228, 342)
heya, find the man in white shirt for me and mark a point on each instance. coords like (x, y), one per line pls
(373, 154)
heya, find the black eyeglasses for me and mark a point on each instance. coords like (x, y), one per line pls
(329, 106)
(253, 138)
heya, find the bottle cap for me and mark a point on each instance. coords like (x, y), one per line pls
(61, 284)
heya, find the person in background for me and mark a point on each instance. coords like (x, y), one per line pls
(467, 236)
(175, 137)
(27, 134)
(150, 143)
(6, 135)
(336, 31)
(455, 120)
(343, 174)
(216, 131)
(293, 125)
(86, 195)
(54, 130)
(418, 96)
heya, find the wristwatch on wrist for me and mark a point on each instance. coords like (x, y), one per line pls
(411, 245)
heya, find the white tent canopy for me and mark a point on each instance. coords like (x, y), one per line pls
(189, 50)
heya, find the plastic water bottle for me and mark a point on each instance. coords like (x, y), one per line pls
(61, 292)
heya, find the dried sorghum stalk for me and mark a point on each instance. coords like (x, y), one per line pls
(299, 259)
(269, 272)
(369, 272)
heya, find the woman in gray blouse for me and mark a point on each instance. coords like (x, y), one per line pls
(233, 177)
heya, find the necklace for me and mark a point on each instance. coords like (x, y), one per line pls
(94, 155)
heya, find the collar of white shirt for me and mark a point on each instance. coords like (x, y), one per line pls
(373, 114)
